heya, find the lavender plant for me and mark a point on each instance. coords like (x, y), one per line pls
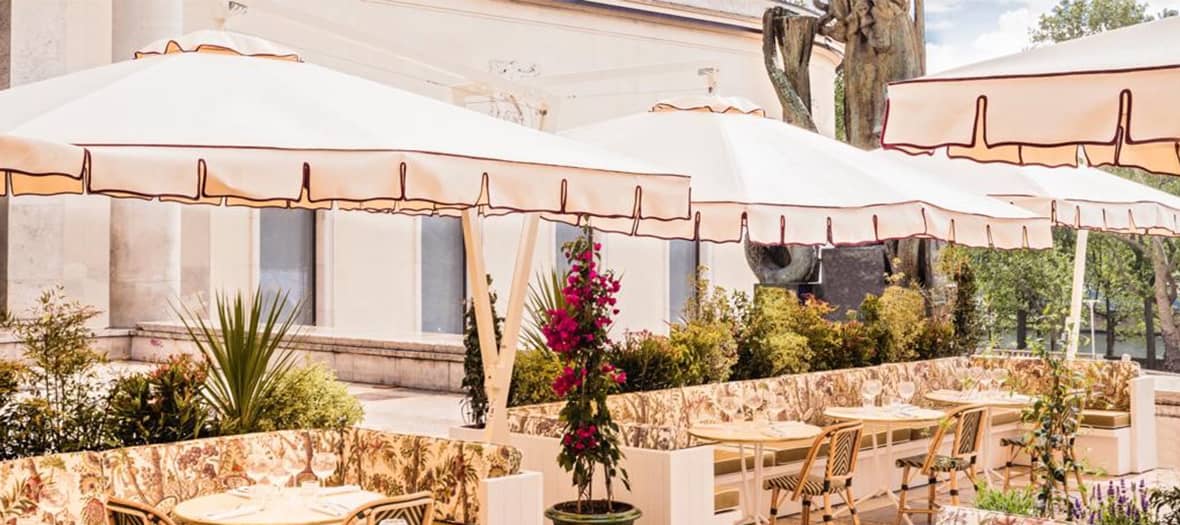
(1118, 503)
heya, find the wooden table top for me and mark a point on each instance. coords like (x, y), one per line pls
(288, 508)
(755, 431)
(904, 414)
(992, 399)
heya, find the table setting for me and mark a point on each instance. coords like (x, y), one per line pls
(278, 497)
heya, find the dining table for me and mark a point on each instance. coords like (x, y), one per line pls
(290, 506)
(755, 434)
(993, 401)
(886, 419)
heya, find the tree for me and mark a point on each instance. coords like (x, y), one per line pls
(1077, 18)
(1072, 19)
(1024, 289)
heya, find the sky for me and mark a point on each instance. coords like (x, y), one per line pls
(960, 32)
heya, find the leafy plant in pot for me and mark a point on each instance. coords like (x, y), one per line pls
(577, 333)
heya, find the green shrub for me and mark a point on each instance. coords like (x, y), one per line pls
(937, 339)
(967, 324)
(163, 405)
(707, 351)
(768, 341)
(66, 410)
(532, 377)
(857, 345)
(1016, 501)
(475, 394)
(309, 396)
(10, 378)
(650, 361)
(249, 352)
(898, 314)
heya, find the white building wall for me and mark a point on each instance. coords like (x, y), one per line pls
(58, 240)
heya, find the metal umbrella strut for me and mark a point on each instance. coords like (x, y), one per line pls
(1084, 199)
(226, 119)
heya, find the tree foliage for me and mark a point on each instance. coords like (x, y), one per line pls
(1071, 19)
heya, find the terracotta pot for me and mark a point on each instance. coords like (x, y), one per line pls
(621, 514)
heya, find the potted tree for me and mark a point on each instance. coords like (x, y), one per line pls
(577, 333)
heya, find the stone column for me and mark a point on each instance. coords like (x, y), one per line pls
(55, 241)
(145, 236)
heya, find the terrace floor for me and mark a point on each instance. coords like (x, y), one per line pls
(881, 511)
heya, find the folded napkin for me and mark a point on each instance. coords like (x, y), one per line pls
(243, 510)
(243, 492)
(342, 489)
(330, 508)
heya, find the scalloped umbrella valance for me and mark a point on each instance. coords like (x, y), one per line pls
(1109, 99)
(197, 121)
(763, 179)
(227, 119)
(1082, 198)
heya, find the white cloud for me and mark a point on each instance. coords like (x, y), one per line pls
(1007, 33)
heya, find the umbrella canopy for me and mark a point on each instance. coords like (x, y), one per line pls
(226, 119)
(778, 184)
(240, 121)
(1083, 198)
(1113, 94)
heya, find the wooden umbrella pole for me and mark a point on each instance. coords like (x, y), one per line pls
(1075, 299)
(478, 280)
(513, 317)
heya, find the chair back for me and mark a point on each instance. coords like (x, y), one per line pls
(415, 509)
(967, 422)
(126, 512)
(843, 442)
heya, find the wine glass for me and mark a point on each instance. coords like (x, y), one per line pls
(999, 377)
(323, 464)
(52, 499)
(869, 391)
(294, 465)
(985, 381)
(731, 407)
(752, 401)
(771, 402)
(906, 391)
(257, 468)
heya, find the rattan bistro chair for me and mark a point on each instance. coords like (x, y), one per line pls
(415, 509)
(843, 442)
(967, 422)
(127, 512)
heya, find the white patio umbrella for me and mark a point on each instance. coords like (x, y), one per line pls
(1084, 199)
(773, 183)
(227, 119)
(1111, 95)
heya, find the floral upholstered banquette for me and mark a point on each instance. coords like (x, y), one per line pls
(163, 475)
(660, 419)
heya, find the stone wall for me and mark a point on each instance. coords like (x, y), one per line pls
(427, 363)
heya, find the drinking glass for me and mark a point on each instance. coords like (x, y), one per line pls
(293, 465)
(985, 381)
(257, 468)
(732, 408)
(277, 477)
(1000, 377)
(323, 464)
(753, 401)
(870, 390)
(906, 391)
(771, 403)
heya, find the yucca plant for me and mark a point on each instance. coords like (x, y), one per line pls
(544, 296)
(248, 352)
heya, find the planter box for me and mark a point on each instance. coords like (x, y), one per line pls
(952, 515)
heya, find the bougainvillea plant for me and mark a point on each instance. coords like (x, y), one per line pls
(578, 334)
